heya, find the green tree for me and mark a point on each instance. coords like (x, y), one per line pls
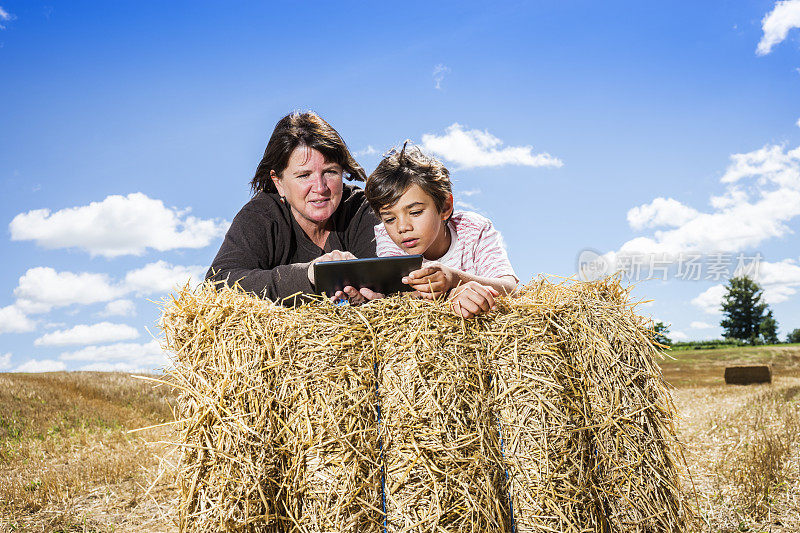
(743, 310)
(660, 331)
(793, 336)
(769, 329)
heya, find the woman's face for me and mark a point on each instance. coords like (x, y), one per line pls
(312, 186)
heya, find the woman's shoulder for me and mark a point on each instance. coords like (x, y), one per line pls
(263, 204)
(263, 210)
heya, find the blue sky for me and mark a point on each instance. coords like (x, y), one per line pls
(637, 131)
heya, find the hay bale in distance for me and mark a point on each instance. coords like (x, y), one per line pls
(551, 410)
(747, 374)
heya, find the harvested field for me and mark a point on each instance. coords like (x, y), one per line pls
(742, 442)
(67, 462)
(743, 449)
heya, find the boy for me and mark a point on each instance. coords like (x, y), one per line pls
(463, 254)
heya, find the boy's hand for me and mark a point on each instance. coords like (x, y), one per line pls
(356, 296)
(472, 298)
(433, 280)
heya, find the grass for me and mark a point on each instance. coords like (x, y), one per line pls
(67, 463)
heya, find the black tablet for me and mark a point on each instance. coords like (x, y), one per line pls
(381, 274)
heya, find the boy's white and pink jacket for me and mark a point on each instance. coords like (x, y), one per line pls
(476, 247)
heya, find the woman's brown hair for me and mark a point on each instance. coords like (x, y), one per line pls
(303, 129)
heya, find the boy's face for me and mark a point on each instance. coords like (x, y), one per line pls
(416, 226)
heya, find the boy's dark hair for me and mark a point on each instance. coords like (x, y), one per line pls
(303, 129)
(401, 169)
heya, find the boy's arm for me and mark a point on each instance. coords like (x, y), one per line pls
(505, 285)
(435, 279)
(470, 295)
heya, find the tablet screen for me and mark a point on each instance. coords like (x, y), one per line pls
(381, 274)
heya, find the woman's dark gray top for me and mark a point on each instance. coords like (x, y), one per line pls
(267, 252)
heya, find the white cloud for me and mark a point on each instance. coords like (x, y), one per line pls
(145, 355)
(660, 212)
(771, 164)
(678, 335)
(701, 325)
(88, 334)
(459, 204)
(761, 197)
(710, 300)
(476, 148)
(777, 23)
(54, 325)
(162, 277)
(798, 122)
(778, 293)
(782, 272)
(14, 320)
(119, 225)
(780, 280)
(44, 365)
(439, 72)
(41, 289)
(369, 150)
(5, 361)
(5, 16)
(119, 308)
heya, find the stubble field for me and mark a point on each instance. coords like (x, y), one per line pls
(68, 462)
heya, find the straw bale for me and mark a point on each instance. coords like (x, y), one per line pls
(279, 416)
(549, 414)
(443, 470)
(621, 406)
(539, 427)
(331, 440)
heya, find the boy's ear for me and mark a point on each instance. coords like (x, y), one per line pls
(448, 208)
(277, 182)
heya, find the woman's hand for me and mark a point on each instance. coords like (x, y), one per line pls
(432, 280)
(472, 298)
(336, 255)
(351, 294)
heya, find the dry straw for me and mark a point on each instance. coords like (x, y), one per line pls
(549, 414)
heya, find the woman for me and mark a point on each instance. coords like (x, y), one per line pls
(301, 212)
